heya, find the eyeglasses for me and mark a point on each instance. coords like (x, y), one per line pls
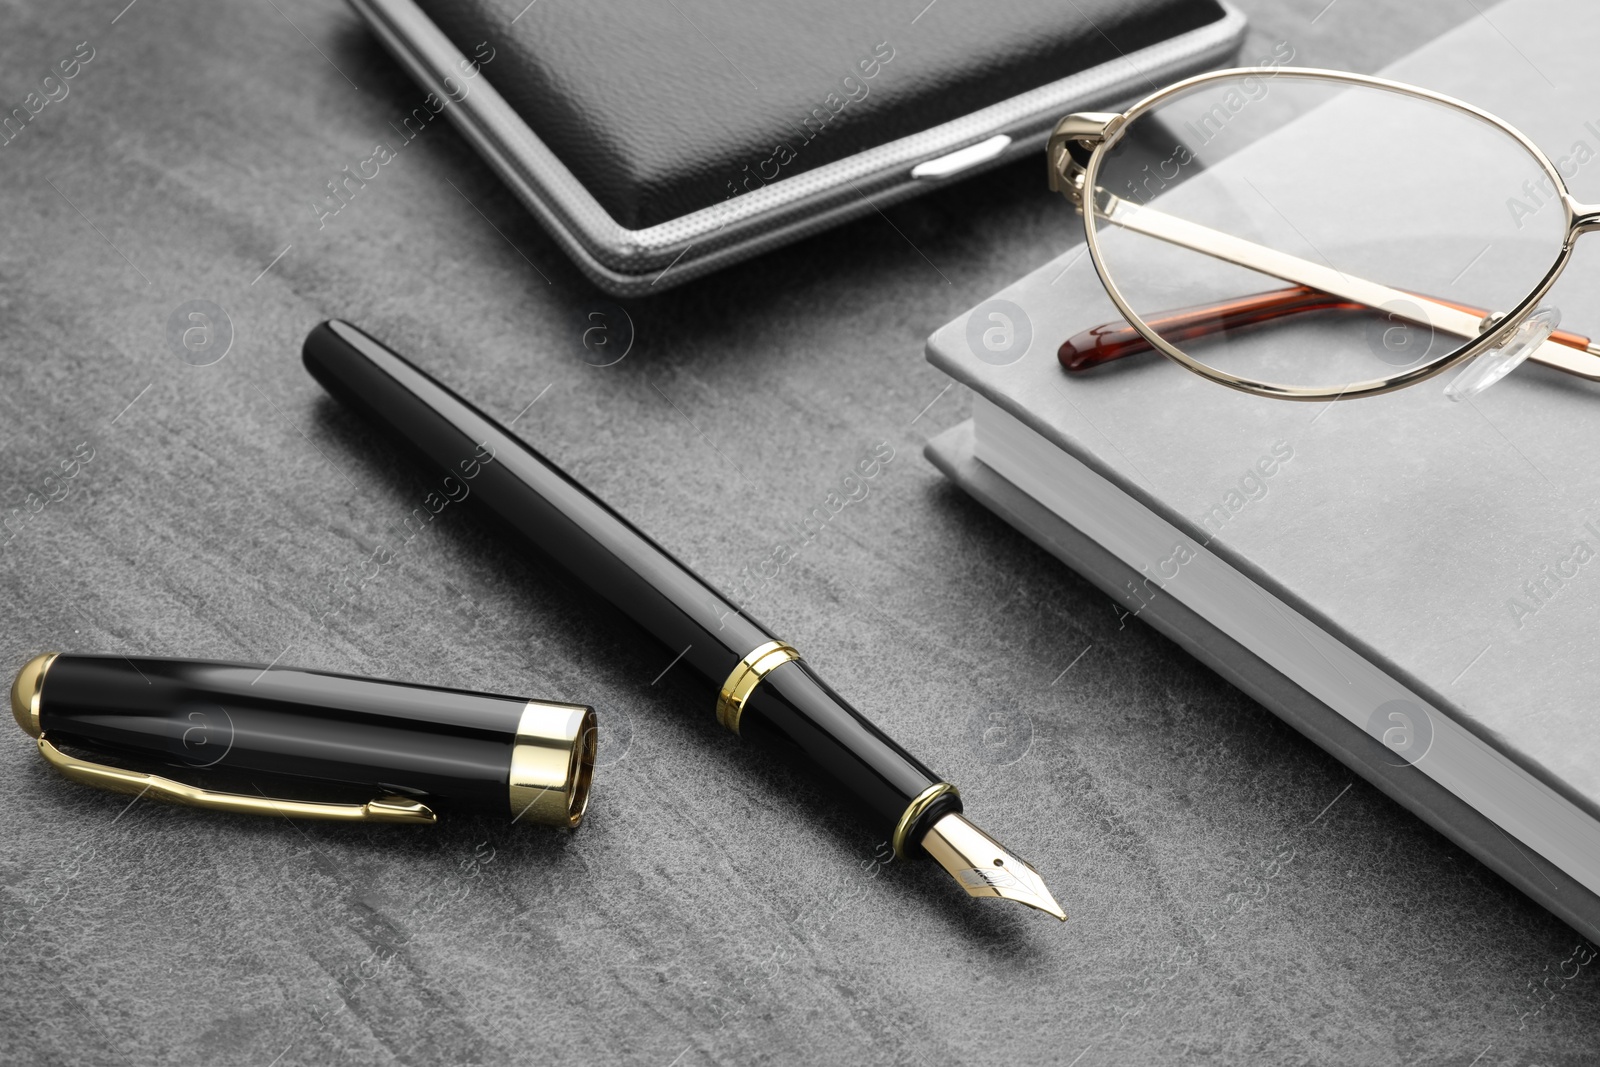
(1415, 233)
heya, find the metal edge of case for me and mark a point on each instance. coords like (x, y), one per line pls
(627, 262)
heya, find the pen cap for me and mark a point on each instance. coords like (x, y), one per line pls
(265, 733)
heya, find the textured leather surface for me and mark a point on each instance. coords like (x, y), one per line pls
(664, 108)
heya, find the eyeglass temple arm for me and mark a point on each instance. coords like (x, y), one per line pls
(1424, 311)
(1111, 341)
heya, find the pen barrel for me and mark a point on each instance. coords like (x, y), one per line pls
(795, 706)
(451, 748)
(699, 629)
(481, 462)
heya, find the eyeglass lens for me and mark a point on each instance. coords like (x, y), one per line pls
(1318, 234)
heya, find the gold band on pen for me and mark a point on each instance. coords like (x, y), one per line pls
(756, 665)
(915, 811)
(552, 763)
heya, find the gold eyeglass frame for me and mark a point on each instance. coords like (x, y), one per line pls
(1077, 148)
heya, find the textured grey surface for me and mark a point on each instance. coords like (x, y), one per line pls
(712, 909)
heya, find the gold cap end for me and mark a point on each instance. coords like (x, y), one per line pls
(552, 763)
(26, 691)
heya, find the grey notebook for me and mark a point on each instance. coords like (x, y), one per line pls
(1413, 583)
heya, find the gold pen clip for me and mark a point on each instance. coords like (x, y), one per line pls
(117, 780)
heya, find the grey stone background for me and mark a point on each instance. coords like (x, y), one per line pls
(1236, 896)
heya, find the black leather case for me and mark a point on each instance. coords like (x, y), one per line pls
(661, 139)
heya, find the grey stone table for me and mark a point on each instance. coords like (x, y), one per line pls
(1236, 896)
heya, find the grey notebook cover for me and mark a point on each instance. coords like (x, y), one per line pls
(1405, 527)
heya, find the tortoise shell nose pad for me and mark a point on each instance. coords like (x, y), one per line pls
(1489, 367)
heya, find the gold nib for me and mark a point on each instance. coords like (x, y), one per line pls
(983, 866)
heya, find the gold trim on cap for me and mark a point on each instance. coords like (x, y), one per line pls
(118, 780)
(756, 665)
(915, 810)
(552, 763)
(27, 690)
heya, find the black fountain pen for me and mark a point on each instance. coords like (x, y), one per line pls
(762, 685)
